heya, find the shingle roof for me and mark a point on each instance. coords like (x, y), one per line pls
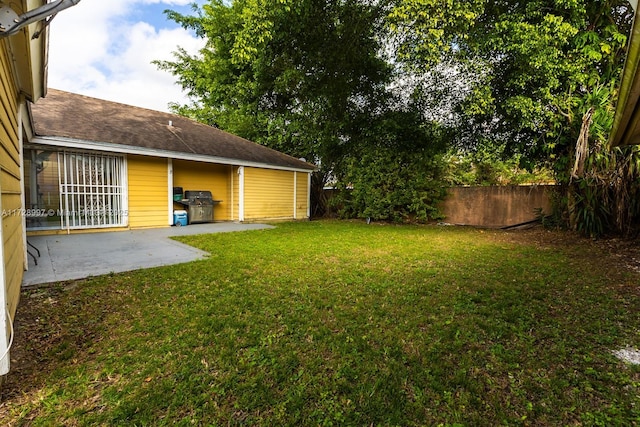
(68, 115)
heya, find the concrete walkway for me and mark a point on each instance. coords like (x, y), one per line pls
(77, 256)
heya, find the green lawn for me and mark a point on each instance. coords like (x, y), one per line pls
(338, 323)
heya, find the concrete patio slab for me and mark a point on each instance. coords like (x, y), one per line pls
(77, 256)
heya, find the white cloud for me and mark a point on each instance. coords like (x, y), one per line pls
(96, 49)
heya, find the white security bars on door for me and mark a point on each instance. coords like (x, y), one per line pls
(92, 190)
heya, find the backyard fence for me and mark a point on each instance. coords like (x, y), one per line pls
(489, 206)
(496, 206)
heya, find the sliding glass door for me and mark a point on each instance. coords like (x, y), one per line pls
(89, 190)
(42, 190)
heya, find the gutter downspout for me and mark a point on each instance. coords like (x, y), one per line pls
(5, 317)
(23, 198)
(170, 190)
(231, 193)
(309, 195)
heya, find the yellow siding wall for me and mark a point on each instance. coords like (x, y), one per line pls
(12, 225)
(268, 194)
(148, 191)
(198, 176)
(235, 193)
(302, 195)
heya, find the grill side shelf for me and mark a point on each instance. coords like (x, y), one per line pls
(186, 202)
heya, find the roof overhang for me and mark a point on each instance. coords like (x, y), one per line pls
(76, 144)
(29, 54)
(626, 124)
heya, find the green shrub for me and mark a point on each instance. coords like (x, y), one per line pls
(390, 185)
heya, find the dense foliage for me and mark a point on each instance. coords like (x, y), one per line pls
(484, 167)
(557, 68)
(398, 175)
(303, 77)
(320, 79)
(536, 69)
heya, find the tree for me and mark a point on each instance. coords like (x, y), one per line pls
(293, 75)
(359, 86)
(546, 58)
(399, 174)
(305, 77)
(553, 64)
(545, 64)
(287, 74)
(425, 31)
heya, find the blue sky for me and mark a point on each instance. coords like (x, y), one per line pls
(104, 48)
(154, 13)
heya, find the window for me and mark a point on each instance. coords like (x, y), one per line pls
(42, 189)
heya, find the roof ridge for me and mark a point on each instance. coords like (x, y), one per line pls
(117, 102)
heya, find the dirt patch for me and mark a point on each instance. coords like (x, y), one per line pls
(615, 252)
(39, 330)
(628, 355)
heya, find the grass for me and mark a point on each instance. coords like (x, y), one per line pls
(337, 323)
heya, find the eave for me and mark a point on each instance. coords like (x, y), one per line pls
(75, 144)
(626, 125)
(30, 55)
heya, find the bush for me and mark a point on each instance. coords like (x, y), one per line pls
(391, 185)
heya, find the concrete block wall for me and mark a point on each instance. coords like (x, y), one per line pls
(496, 206)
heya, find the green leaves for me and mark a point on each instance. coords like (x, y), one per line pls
(545, 63)
(288, 74)
(543, 58)
(392, 186)
(398, 176)
(425, 30)
(320, 79)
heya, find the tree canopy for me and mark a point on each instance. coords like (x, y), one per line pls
(376, 91)
(291, 74)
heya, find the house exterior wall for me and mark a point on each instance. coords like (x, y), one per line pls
(246, 193)
(148, 183)
(10, 183)
(302, 195)
(22, 78)
(268, 194)
(234, 184)
(199, 176)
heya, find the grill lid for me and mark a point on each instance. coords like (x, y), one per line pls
(198, 197)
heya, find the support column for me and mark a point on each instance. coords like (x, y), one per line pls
(241, 194)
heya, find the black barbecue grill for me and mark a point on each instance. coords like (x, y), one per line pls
(199, 206)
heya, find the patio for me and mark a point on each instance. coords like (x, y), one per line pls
(77, 256)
